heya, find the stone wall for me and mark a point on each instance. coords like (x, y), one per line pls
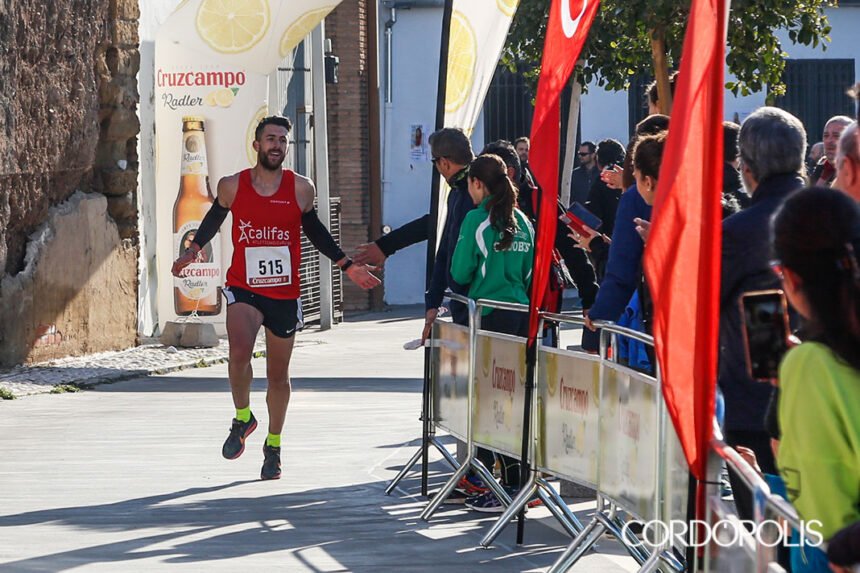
(67, 123)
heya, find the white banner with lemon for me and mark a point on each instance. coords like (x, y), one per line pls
(477, 27)
(212, 61)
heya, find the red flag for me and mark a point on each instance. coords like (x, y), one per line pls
(682, 256)
(566, 31)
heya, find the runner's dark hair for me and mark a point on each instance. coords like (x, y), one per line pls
(272, 120)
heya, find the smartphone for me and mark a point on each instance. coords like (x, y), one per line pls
(765, 330)
(578, 217)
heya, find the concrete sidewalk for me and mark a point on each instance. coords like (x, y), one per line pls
(129, 476)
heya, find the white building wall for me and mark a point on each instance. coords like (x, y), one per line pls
(406, 182)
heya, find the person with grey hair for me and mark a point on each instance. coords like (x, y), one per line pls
(848, 162)
(772, 145)
(825, 171)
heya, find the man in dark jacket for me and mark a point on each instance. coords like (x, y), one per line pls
(452, 153)
(735, 196)
(772, 148)
(603, 202)
(584, 176)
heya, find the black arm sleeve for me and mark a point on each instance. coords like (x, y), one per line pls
(319, 236)
(404, 236)
(210, 224)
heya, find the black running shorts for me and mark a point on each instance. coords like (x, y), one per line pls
(283, 317)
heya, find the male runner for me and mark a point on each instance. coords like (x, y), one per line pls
(270, 207)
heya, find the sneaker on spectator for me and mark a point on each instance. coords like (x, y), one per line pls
(489, 503)
(485, 503)
(471, 485)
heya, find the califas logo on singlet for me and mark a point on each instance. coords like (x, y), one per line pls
(266, 234)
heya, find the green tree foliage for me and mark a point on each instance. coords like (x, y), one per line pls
(619, 44)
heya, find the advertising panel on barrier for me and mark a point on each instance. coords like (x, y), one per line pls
(450, 377)
(676, 482)
(500, 374)
(568, 388)
(629, 439)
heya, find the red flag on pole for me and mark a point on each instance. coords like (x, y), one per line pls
(682, 256)
(566, 31)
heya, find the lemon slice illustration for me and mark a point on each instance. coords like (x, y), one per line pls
(508, 7)
(196, 293)
(210, 99)
(249, 137)
(301, 28)
(224, 97)
(462, 55)
(232, 26)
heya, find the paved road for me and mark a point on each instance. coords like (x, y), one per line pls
(129, 476)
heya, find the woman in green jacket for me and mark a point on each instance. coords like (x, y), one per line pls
(816, 238)
(493, 256)
(495, 250)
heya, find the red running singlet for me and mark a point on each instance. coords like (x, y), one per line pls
(267, 242)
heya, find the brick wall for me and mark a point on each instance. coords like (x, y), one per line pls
(349, 159)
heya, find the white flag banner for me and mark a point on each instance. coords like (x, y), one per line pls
(251, 34)
(212, 61)
(478, 32)
(477, 27)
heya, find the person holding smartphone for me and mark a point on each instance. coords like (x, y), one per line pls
(816, 239)
(603, 203)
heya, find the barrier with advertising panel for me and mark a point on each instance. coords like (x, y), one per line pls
(629, 439)
(450, 374)
(500, 374)
(568, 389)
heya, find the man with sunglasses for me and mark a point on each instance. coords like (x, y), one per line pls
(451, 153)
(586, 174)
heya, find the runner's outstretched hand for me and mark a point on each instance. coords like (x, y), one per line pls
(185, 259)
(361, 275)
(369, 254)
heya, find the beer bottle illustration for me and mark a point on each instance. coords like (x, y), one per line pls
(198, 289)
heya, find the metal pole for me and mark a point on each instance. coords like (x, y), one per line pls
(431, 239)
(321, 171)
(525, 465)
(374, 142)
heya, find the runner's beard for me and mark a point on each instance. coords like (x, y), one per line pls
(263, 159)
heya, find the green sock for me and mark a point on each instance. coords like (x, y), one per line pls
(274, 440)
(243, 414)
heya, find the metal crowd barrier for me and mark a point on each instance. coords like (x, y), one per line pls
(592, 421)
(750, 551)
(452, 370)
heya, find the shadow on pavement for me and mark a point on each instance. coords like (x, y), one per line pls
(354, 528)
(186, 384)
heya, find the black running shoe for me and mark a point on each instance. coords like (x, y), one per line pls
(271, 462)
(234, 445)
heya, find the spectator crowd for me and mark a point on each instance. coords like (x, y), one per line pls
(791, 223)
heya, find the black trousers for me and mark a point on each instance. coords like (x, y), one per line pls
(517, 324)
